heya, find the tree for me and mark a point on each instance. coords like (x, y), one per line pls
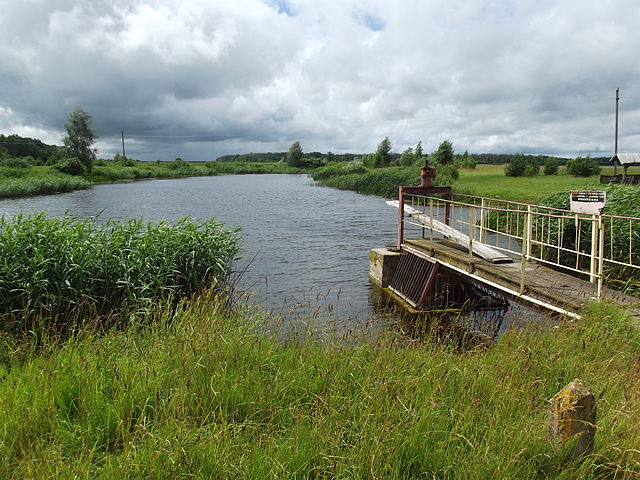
(407, 158)
(294, 155)
(444, 154)
(382, 157)
(81, 137)
(515, 168)
(419, 153)
(551, 167)
(583, 167)
(466, 161)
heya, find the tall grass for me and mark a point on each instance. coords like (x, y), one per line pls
(41, 185)
(383, 182)
(201, 395)
(51, 265)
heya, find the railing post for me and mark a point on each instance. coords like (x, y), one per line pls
(600, 255)
(431, 218)
(400, 217)
(482, 221)
(447, 208)
(593, 274)
(525, 251)
(529, 229)
(472, 221)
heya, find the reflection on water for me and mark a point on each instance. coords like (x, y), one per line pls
(305, 248)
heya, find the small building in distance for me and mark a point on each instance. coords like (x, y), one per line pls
(625, 160)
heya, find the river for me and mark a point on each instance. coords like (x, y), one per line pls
(305, 248)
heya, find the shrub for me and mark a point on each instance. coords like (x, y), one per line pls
(515, 168)
(71, 166)
(551, 167)
(531, 170)
(446, 174)
(583, 167)
(24, 162)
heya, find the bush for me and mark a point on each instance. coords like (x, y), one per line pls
(354, 166)
(179, 163)
(531, 170)
(551, 167)
(515, 168)
(24, 162)
(71, 166)
(446, 174)
(583, 167)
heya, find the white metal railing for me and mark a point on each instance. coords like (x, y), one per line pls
(597, 246)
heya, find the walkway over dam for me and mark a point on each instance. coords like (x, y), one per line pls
(551, 258)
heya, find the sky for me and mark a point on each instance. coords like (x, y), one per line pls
(201, 78)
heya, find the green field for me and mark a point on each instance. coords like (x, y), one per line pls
(490, 181)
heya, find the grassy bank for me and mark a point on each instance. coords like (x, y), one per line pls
(39, 180)
(202, 395)
(484, 180)
(20, 182)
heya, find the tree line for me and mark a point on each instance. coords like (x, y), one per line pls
(75, 157)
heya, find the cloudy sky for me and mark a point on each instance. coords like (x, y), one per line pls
(201, 78)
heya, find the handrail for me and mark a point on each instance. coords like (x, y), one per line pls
(592, 245)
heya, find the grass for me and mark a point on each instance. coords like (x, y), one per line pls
(51, 265)
(490, 181)
(21, 182)
(41, 180)
(200, 394)
(484, 180)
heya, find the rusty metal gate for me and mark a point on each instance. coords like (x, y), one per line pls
(413, 279)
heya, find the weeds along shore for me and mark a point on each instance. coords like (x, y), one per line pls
(202, 391)
(24, 179)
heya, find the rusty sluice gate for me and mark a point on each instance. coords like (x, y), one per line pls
(428, 285)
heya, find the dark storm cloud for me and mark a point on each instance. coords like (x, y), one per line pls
(199, 78)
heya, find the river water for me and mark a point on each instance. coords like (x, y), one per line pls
(302, 245)
(305, 248)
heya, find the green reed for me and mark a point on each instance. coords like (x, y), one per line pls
(40, 185)
(51, 265)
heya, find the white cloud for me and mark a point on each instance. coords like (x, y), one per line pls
(251, 75)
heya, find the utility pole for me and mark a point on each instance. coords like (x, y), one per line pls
(615, 147)
(123, 153)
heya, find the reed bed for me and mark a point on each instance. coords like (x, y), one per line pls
(383, 182)
(52, 265)
(201, 394)
(41, 185)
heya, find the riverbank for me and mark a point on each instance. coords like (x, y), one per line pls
(201, 393)
(28, 180)
(484, 180)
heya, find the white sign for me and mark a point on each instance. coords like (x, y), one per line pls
(588, 201)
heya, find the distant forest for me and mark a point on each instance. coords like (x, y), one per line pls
(15, 146)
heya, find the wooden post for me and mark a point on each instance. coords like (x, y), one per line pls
(572, 415)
